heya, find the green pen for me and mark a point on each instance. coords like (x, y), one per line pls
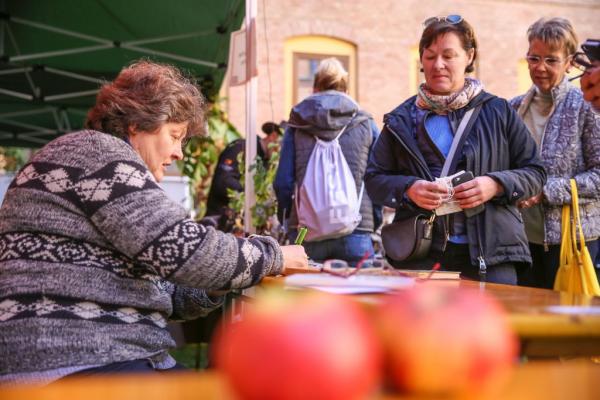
(301, 234)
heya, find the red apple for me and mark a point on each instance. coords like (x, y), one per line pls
(446, 341)
(300, 346)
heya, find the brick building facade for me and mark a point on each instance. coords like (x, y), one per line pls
(380, 39)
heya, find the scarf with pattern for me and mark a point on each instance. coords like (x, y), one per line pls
(441, 104)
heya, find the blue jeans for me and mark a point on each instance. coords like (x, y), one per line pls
(350, 248)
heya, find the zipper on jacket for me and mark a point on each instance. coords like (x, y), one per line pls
(482, 264)
(482, 267)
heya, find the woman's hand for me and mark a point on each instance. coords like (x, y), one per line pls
(294, 256)
(477, 191)
(532, 201)
(426, 194)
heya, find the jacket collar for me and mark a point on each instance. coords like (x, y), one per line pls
(558, 93)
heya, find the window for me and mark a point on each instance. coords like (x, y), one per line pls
(302, 57)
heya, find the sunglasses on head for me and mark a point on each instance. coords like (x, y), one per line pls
(450, 19)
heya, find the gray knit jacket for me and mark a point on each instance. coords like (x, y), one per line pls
(95, 259)
(570, 149)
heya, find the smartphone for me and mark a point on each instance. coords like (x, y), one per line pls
(462, 178)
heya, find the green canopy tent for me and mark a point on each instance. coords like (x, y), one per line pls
(55, 54)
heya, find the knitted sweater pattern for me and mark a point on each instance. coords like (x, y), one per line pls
(95, 259)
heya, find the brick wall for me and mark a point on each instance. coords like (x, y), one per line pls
(384, 31)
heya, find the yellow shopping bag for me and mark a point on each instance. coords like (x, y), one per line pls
(576, 273)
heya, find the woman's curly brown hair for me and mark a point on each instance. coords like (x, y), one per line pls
(144, 96)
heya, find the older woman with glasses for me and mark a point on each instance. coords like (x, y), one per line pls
(484, 238)
(567, 132)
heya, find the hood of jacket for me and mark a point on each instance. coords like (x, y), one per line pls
(324, 114)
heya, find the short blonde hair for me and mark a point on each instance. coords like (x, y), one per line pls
(558, 33)
(331, 75)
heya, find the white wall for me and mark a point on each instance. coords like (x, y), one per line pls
(177, 188)
(5, 181)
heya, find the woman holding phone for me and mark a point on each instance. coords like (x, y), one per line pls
(496, 148)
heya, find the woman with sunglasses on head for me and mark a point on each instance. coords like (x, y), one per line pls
(95, 259)
(567, 132)
(486, 239)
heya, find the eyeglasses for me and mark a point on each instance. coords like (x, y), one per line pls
(551, 62)
(342, 269)
(452, 19)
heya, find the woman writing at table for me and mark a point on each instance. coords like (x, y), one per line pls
(94, 257)
(497, 149)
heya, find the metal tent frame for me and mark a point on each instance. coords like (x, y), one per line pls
(46, 91)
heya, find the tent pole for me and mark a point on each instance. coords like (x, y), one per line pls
(251, 112)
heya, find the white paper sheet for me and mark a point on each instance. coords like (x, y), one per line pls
(570, 310)
(351, 285)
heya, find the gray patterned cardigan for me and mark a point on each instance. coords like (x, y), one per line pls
(95, 259)
(570, 149)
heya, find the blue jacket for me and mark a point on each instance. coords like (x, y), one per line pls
(322, 115)
(497, 145)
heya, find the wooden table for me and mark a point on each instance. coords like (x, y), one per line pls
(542, 333)
(538, 380)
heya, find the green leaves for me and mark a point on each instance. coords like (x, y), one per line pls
(201, 153)
(12, 158)
(266, 204)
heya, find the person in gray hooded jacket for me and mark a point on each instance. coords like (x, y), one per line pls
(322, 115)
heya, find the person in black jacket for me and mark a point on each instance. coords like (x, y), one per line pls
(497, 149)
(227, 174)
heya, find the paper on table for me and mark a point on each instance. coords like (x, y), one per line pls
(579, 310)
(349, 289)
(352, 284)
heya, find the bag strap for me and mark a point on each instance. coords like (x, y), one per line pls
(345, 126)
(360, 196)
(566, 245)
(462, 127)
(576, 218)
(362, 188)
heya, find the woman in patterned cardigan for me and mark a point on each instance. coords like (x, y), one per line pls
(568, 135)
(95, 259)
